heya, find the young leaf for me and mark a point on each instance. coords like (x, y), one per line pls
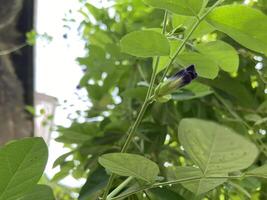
(182, 7)
(125, 164)
(216, 149)
(205, 67)
(22, 164)
(259, 172)
(246, 25)
(198, 186)
(145, 44)
(223, 54)
(40, 192)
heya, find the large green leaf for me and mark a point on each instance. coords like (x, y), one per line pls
(22, 164)
(216, 149)
(198, 186)
(246, 25)
(39, 192)
(223, 54)
(182, 7)
(145, 43)
(205, 66)
(125, 164)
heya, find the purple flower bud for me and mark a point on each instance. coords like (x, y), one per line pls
(186, 76)
(180, 79)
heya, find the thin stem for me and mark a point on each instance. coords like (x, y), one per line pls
(119, 188)
(199, 20)
(9, 51)
(141, 113)
(174, 182)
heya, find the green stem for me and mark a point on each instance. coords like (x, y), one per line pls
(9, 51)
(199, 20)
(148, 100)
(170, 183)
(119, 188)
(140, 115)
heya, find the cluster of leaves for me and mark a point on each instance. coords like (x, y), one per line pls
(176, 145)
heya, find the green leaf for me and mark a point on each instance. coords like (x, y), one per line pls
(182, 7)
(125, 164)
(199, 186)
(145, 44)
(205, 67)
(216, 149)
(223, 54)
(259, 172)
(246, 25)
(22, 164)
(40, 192)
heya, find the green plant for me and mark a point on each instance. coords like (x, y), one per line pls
(179, 147)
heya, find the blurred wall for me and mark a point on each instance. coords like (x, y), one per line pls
(16, 85)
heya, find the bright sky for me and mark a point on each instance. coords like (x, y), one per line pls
(57, 74)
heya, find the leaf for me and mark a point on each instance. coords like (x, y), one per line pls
(216, 149)
(246, 25)
(223, 54)
(192, 91)
(95, 182)
(22, 163)
(125, 164)
(259, 172)
(205, 67)
(40, 192)
(199, 186)
(145, 44)
(182, 7)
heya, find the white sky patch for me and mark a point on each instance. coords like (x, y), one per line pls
(56, 71)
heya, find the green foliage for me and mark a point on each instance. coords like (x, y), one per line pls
(22, 164)
(215, 148)
(210, 132)
(245, 25)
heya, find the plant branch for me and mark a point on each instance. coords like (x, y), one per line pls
(141, 113)
(119, 188)
(173, 182)
(199, 20)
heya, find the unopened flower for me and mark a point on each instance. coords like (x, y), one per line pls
(180, 79)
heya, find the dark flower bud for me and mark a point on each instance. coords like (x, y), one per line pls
(180, 79)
